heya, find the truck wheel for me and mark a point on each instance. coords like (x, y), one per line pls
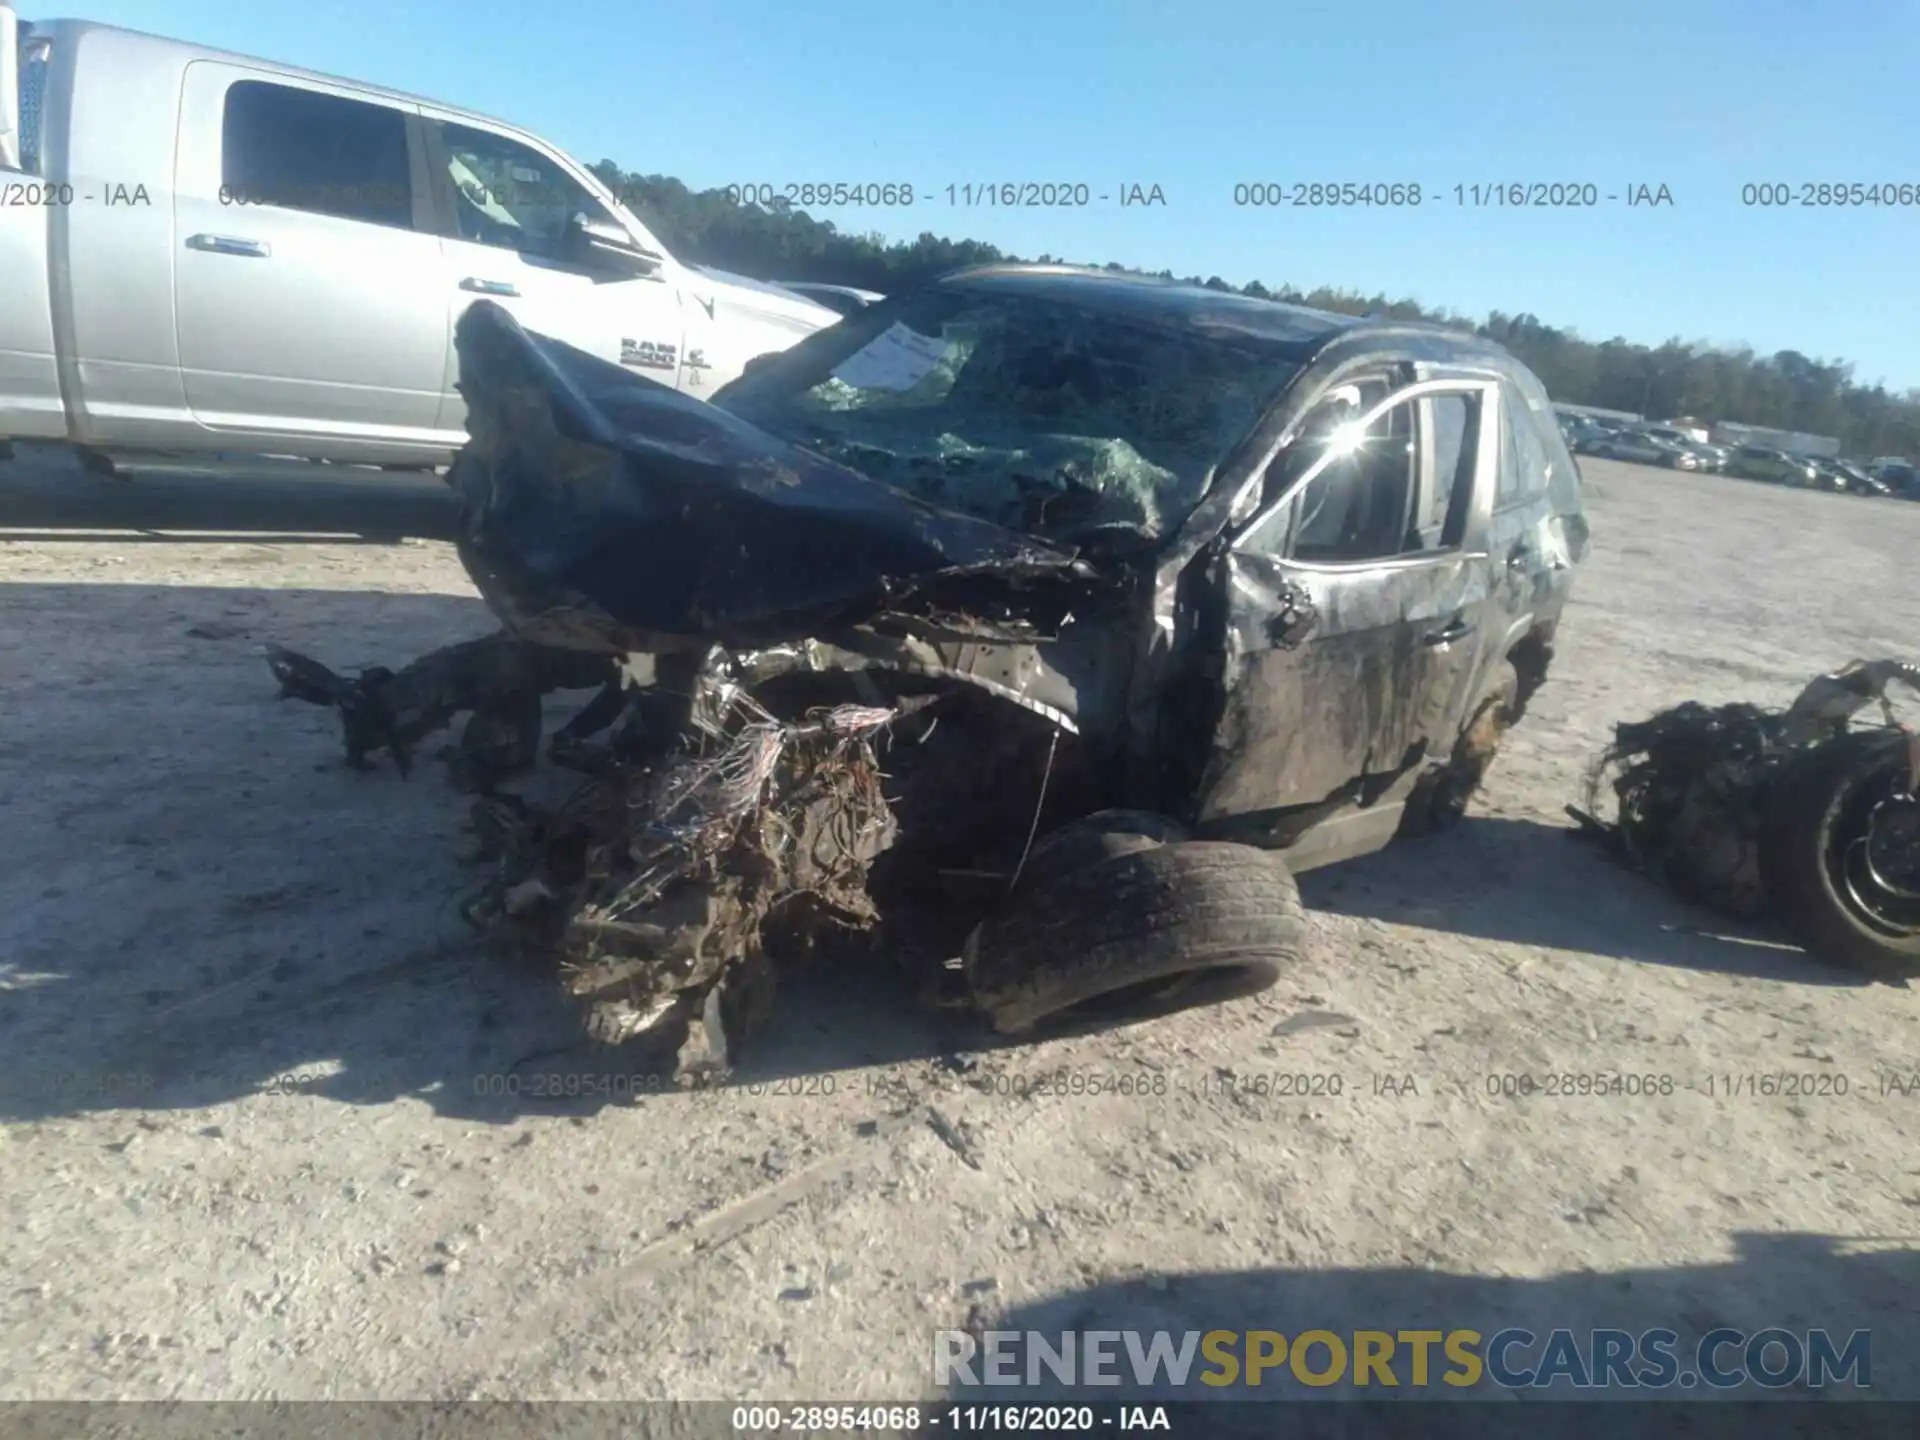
(1157, 927)
(1441, 799)
(1840, 853)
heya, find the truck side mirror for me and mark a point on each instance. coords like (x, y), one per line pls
(607, 245)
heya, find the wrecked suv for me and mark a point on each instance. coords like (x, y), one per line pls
(1030, 627)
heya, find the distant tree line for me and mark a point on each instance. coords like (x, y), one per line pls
(1787, 390)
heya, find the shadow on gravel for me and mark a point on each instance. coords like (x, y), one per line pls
(200, 901)
(1526, 882)
(46, 494)
(1795, 1282)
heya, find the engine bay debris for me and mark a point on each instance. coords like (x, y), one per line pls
(711, 836)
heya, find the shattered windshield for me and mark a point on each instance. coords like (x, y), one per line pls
(1048, 418)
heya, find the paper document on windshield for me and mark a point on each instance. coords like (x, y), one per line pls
(896, 359)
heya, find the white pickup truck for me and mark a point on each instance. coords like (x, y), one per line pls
(202, 253)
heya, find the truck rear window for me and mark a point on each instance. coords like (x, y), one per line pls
(302, 150)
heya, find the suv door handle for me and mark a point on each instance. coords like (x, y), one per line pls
(489, 287)
(229, 245)
(1454, 631)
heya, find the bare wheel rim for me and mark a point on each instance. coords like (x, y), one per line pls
(1871, 853)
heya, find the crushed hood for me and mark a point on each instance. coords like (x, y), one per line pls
(603, 510)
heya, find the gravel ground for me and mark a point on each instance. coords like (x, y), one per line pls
(197, 901)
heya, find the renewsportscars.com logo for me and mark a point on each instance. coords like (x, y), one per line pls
(1511, 1359)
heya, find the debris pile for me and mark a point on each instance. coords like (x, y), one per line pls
(1687, 784)
(1691, 784)
(664, 889)
(498, 678)
(732, 820)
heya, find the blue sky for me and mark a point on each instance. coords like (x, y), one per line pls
(1703, 96)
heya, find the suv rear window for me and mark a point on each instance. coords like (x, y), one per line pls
(302, 150)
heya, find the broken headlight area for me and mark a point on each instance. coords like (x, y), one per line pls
(1799, 813)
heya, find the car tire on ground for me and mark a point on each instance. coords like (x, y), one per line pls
(1092, 839)
(1807, 811)
(1110, 924)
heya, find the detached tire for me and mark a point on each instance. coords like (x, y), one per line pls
(1812, 806)
(1159, 926)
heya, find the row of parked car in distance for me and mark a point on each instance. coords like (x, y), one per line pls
(1655, 444)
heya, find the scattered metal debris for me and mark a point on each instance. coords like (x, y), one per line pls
(499, 679)
(1790, 812)
(1687, 785)
(955, 1138)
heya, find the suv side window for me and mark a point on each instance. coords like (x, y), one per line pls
(1269, 535)
(1402, 486)
(302, 150)
(1524, 463)
(1360, 507)
(510, 195)
(1450, 422)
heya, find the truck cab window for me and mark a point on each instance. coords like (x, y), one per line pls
(510, 195)
(302, 150)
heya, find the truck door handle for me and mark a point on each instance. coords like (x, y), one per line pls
(1454, 631)
(229, 245)
(489, 287)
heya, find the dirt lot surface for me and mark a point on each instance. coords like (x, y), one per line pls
(197, 901)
